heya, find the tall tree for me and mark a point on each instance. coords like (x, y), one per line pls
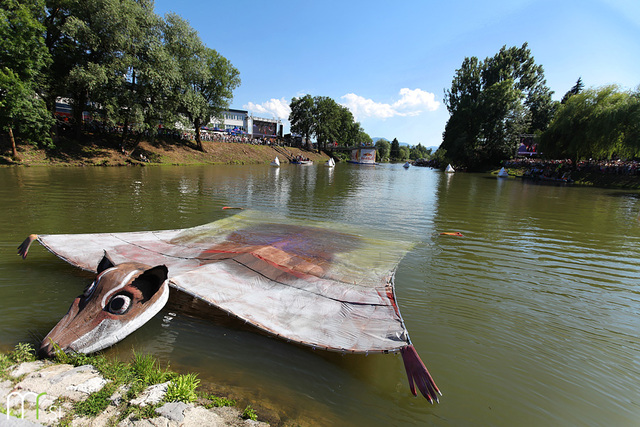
(394, 153)
(595, 123)
(383, 148)
(419, 152)
(302, 116)
(576, 89)
(135, 92)
(327, 115)
(328, 121)
(490, 102)
(21, 107)
(207, 80)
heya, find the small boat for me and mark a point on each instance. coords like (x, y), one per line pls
(406, 165)
(302, 162)
(503, 173)
(276, 162)
(330, 163)
(449, 169)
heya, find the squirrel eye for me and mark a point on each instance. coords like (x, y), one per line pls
(119, 304)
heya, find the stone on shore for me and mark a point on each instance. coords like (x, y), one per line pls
(49, 391)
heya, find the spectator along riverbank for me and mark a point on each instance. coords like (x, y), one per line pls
(599, 173)
(106, 150)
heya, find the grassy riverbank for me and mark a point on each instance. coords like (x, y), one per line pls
(104, 150)
(83, 390)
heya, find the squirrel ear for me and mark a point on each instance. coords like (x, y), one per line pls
(151, 281)
(105, 263)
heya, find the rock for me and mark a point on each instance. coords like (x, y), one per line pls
(91, 385)
(152, 422)
(16, 422)
(5, 388)
(117, 397)
(152, 395)
(62, 381)
(44, 382)
(26, 368)
(199, 416)
(173, 410)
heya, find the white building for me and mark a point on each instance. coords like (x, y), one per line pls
(234, 119)
(240, 120)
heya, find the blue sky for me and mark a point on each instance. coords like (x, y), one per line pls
(390, 62)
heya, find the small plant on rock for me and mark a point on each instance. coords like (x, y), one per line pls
(183, 389)
(249, 414)
(23, 353)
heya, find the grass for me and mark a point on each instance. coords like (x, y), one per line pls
(183, 389)
(213, 401)
(147, 370)
(144, 370)
(133, 377)
(103, 150)
(96, 402)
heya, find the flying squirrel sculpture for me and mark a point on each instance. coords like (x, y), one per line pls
(300, 281)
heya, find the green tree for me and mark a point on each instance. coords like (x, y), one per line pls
(348, 130)
(302, 116)
(541, 108)
(207, 79)
(363, 137)
(383, 148)
(21, 107)
(576, 89)
(98, 49)
(135, 95)
(92, 37)
(490, 102)
(462, 130)
(419, 152)
(327, 120)
(394, 153)
(595, 123)
(405, 153)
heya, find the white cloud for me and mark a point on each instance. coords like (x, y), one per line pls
(363, 107)
(410, 103)
(415, 99)
(278, 108)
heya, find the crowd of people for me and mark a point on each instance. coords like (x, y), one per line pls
(554, 170)
(98, 126)
(229, 137)
(561, 169)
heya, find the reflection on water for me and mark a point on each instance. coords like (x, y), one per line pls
(531, 318)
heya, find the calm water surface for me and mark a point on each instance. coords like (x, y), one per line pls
(530, 319)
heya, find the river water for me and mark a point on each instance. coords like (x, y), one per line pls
(530, 319)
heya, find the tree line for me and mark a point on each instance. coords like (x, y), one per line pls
(327, 121)
(393, 151)
(115, 57)
(491, 103)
